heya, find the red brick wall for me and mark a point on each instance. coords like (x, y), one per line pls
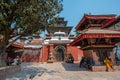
(76, 52)
(45, 53)
(43, 57)
(30, 58)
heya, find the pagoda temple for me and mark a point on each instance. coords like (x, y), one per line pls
(58, 42)
(95, 41)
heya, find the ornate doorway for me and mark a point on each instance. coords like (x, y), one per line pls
(59, 53)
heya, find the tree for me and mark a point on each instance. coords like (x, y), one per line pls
(24, 17)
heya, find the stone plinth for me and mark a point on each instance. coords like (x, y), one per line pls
(98, 68)
(103, 68)
(10, 70)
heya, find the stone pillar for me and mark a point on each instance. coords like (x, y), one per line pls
(52, 48)
(68, 48)
(51, 55)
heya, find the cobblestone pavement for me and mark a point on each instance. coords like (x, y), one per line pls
(60, 71)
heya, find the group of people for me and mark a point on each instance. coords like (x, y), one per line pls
(11, 61)
(90, 62)
(87, 62)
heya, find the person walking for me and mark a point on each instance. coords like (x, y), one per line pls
(108, 64)
(82, 61)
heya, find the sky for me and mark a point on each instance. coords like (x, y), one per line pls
(73, 10)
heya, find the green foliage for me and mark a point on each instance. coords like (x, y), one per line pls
(29, 16)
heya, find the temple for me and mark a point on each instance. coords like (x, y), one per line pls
(54, 47)
(58, 42)
(96, 41)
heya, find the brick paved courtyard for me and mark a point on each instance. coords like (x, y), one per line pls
(60, 71)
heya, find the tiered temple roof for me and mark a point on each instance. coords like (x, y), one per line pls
(96, 33)
(60, 25)
(93, 21)
(60, 34)
(114, 23)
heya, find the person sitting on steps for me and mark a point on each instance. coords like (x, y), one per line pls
(70, 58)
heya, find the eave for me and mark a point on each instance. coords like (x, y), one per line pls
(98, 46)
(85, 36)
(107, 20)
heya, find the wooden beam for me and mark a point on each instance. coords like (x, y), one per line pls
(95, 25)
(98, 46)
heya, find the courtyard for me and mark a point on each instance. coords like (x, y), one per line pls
(60, 71)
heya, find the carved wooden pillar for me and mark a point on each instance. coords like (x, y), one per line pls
(112, 56)
(95, 58)
(87, 53)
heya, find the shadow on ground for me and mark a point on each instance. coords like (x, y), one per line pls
(73, 67)
(29, 71)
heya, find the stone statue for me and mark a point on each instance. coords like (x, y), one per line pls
(51, 57)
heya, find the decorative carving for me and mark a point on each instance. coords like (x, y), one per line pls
(95, 58)
(91, 41)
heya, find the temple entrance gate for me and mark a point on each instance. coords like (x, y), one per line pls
(59, 53)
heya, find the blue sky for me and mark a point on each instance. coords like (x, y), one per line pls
(73, 10)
